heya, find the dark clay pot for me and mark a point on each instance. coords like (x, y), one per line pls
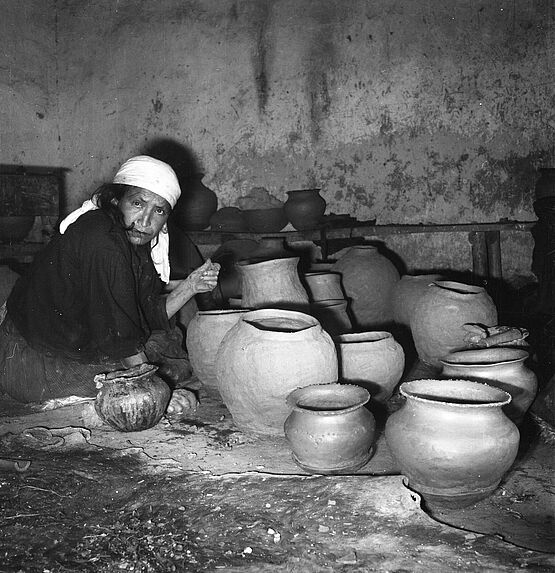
(329, 430)
(196, 205)
(452, 440)
(545, 184)
(305, 208)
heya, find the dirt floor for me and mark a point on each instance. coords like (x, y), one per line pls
(199, 495)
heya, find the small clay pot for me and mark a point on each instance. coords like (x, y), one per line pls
(329, 429)
(270, 220)
(305, 208)
(229, 219)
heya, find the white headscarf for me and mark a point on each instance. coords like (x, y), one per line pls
(151, 174)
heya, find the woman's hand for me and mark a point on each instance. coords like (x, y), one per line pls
(205, 278)
(182, 403)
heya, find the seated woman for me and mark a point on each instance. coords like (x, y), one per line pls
(93, 300)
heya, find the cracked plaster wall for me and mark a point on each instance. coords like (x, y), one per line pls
(407, 112)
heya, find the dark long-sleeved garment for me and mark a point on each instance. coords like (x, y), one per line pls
(90, 296)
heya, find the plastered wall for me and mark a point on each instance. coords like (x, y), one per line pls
(403, 111)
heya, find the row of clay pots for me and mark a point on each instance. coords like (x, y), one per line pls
(197, 207)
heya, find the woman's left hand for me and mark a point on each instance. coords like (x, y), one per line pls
(182, 403)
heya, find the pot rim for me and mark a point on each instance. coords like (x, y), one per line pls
(217, 312)
(248, 262)
(250, 318)
(304, 190)
(485, 357)
(358, 337)
(439, 390)
(358, 395)
(458, 288)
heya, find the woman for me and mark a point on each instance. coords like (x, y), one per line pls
(93, 300)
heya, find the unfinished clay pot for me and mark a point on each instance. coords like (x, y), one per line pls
(406, 293)
(438, 318)
(329, 429)
(368, 280)
(503, 368)
(204, 334)
(373, 360)
(452, 440)
(333, 315)
(263, 357)
(273, 283)
(323, 286)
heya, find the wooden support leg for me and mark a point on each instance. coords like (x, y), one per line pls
(479, 255)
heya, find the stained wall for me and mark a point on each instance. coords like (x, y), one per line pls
(402, 111)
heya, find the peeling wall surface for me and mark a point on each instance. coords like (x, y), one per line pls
(403, 111)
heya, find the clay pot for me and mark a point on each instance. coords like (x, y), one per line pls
(274, 283)
(503, 368)
(545, 184)
(131, 400)
(15, 228)
(305, 208)
(271, 248)
(265, 220)
(452, 440)
(374, 360)
(329, 430)
(263, 358)
(438, 318)
(204, 334)
(319, 266)
(196, 205)
(227, 255)
(406, 293)
(368, 280)
(229, 219)
(323, 286)
(332, 315)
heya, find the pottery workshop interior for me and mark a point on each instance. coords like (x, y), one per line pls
(277, 286)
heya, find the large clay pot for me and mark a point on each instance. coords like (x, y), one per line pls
(196, 205)
(406, 293)
(274, 283)
(227, 255)
(204, 335)
(323, 286)
(368, 280)
(374, 360)
(329, 429)
(332, 315)
(438, 318)
(305, 208)
(263, 358)
(452, 440)
(503, 368)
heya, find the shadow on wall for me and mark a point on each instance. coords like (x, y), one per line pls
(175, 154)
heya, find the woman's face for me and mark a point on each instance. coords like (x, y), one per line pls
(145, 212)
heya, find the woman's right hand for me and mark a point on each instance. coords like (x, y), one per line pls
(205, 278)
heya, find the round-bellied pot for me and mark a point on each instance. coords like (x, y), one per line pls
(333, 315)
(131, 400)
(452, 440)
(323, 286)
(229, 219)
(545, 184)
(503, 368)
(368, 278)
(196, 205)
(266, 355)
(406, 293)
(329, 430)
(271, 220)
(204, 335)
(437, 320)
(373, 360)
(305, 208)
(273, 283)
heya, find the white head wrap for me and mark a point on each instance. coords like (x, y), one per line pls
(151, 174)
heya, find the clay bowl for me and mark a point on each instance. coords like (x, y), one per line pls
(265, 220)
